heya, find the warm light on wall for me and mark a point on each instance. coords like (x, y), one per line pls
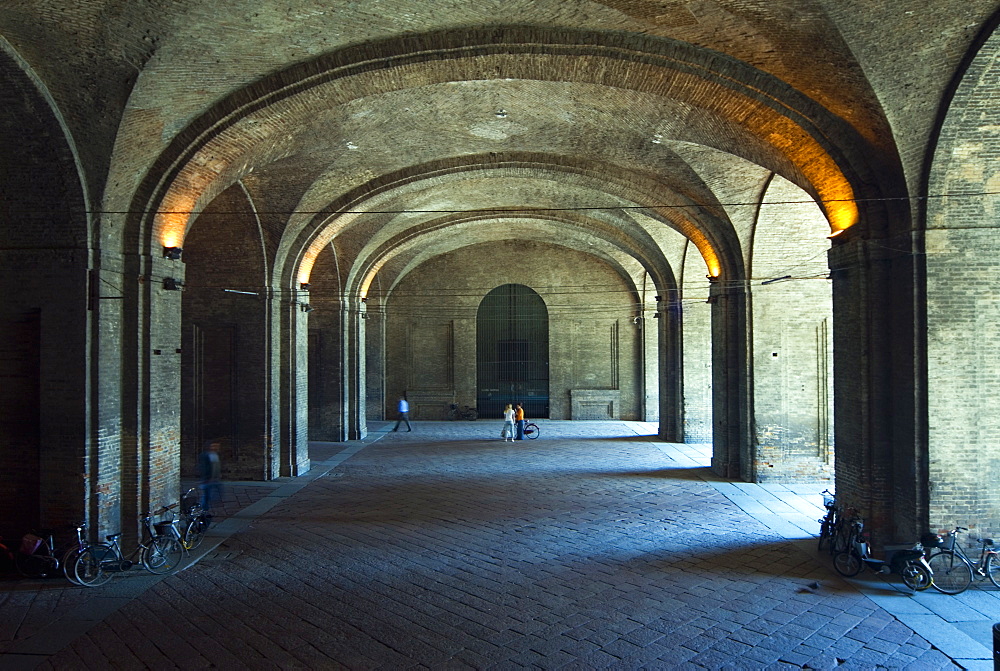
(172, 221)
(836, 198)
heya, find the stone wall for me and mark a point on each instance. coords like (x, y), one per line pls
(593, 339)
(791, 339)
(963, 308)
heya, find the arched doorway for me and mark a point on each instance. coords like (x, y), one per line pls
(512, 351)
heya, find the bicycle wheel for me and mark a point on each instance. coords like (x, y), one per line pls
(839, 538)
(916, 576)
(34, 565)
(825, 537)
(194, 533)
(162, 555)
(88, 567)
(847, 563)
(951, 574)
(531, 430)
(992, 569)
(68, 559)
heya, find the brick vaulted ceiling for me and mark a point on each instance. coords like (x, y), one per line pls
(428, 116)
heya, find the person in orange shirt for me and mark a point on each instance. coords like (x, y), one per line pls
(519, 422)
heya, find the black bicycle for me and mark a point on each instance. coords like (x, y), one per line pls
(39, 557)
(531, 430)
(954, 570)
(196, 520)
(829, 524)
(159, 551)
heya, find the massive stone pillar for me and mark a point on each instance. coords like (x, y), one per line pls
(880, 461)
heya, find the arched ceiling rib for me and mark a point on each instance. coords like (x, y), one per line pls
(581, 232)
(407, 255)
(708, 99)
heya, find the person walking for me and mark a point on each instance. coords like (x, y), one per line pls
(404, 414)
(507, 432)
(210, 476)
(519, 420)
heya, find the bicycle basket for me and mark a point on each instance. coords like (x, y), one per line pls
(929, 540)
(829, 501)
(948, 542)
(164, 528)
(30, 544)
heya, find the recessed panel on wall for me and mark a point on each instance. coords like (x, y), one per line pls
(429, 347)
(595, 354)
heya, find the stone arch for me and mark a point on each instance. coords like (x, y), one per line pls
(787, 131)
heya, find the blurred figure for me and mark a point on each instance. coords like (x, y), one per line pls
(210, 476)
(519, 420)
(404, 414)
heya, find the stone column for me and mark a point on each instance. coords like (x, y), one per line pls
(879, 416)
(353, 321)
(293, 383)
(668, 328)
(732, 453)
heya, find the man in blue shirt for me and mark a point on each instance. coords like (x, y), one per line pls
(404, 415)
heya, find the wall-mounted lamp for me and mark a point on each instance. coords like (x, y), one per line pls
(304, 286)
(172, 252)
(636, 320)
(656, 315)
(658, 298)
(364, 299)
(305, 307)
(171, 284)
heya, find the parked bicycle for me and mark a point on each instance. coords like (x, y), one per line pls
(830, 525)
(531, 430)
(158, 552)
(196, 520)
(906, 561)
(954, 570)
(466, 412)
(38, 557)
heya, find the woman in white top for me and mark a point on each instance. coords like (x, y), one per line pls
(507, 432)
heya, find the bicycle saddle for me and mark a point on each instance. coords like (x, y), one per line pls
(113, 536)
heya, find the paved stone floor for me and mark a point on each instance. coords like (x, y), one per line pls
(445, 548)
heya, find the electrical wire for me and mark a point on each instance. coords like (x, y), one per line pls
(577, 208)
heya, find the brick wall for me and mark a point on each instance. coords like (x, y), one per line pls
(791, 339)
(963, 307)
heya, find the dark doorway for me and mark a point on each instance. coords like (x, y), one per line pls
(512, 352)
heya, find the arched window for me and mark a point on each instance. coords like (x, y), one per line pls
(512, 351)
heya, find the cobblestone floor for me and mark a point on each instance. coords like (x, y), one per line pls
(593, 547)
